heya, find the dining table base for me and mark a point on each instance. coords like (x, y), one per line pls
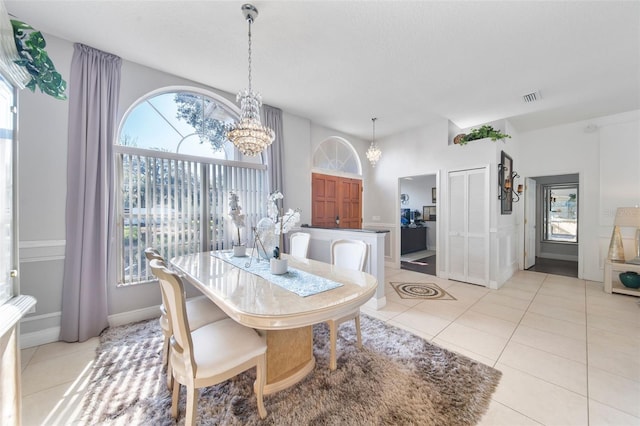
(289, 357)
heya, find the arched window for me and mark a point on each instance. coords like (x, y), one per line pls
(182, 121)
(336, 154)
(175, 170)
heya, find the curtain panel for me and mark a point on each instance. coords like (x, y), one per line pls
(275, 156)
(93, 101)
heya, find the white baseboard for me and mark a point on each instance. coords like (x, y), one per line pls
(40, 337)
(134, 316)
(50, 335)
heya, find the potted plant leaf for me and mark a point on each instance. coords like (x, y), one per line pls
(480, 133)
(35, 59)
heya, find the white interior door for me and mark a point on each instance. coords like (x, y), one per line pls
(530, 191)
(8, 258)
(456, 235)
(468, 226)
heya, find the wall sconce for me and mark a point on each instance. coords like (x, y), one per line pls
(506, 181)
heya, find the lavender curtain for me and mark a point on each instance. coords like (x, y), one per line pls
(275, 157)
(94, 87)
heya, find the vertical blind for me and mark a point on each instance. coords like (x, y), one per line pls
(179, 205)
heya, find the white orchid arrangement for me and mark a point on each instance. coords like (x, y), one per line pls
(235, 213)
(283, 222)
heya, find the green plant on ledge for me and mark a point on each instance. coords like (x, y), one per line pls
(480, 133)
(30, 45)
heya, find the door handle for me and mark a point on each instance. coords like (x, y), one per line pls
(13, 273)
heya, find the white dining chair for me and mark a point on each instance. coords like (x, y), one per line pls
(299, 244)
(349, 254)
(200, 311)
(209, 355)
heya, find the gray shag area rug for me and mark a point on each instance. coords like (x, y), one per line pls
(396, 379)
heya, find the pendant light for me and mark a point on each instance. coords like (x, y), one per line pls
(248, 134)
(374, 153)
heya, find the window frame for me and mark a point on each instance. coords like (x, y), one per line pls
(207, 186)
(546, 197)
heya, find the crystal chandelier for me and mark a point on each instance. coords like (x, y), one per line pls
(249, 135)
(374, 153)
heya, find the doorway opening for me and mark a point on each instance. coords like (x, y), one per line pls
(418, 222)
(552, 224)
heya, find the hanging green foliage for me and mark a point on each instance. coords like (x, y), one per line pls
(480, 133)
(34, 58)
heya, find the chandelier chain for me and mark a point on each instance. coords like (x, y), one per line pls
(248, 134)
(374, 130)
(250, 20)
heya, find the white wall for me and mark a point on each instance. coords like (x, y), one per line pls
(42, 175)
(607, 162)
(427, 150)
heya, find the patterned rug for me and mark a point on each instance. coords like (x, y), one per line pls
(421, 291)
(397, 378)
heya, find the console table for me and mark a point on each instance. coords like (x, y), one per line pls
(413, 239)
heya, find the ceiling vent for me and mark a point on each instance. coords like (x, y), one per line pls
(531, 97)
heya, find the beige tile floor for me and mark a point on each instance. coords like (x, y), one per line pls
(569, 353)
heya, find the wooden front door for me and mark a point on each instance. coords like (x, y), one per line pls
(335, 197)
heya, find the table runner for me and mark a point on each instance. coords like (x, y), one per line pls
(299, 282)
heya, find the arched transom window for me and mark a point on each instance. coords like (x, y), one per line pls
(336, 154)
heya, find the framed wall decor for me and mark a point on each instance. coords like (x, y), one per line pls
(429, 213)
(505, 194)
(433, 195)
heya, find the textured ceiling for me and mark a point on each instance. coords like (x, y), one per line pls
(340, 63)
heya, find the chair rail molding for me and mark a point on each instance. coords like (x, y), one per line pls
(41, 250)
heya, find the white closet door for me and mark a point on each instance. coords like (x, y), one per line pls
(457, 229)
(477, 227)
(468, 236)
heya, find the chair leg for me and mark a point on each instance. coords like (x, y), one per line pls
(165, 351)
(175, 398)
(170, 381)
(359, 336)
(192, 405)
(333, 333)
(258, 386)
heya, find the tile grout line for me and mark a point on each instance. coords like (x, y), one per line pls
(459, 315)
(520, 321)
(586, 350)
